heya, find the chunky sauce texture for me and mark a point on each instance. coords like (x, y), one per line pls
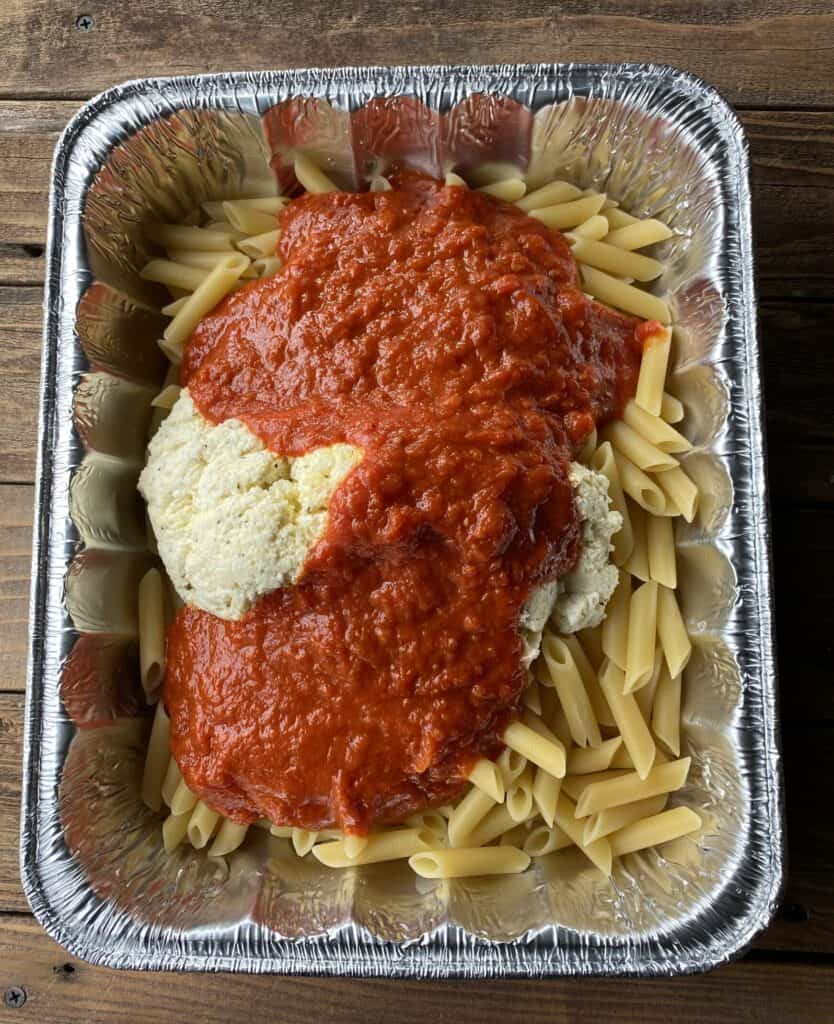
(445, 334)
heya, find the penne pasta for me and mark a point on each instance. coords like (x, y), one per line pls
(151, 633)
(200, 260)
(645, 695)
(531, 698)
(228, 838)
(157, 759)
(260, 246)
(511, 764)
(192, 239)
(453, 180)
(398, 844)
(547, 195)
(303, 840)
(201, 825)
(642, 630)
(354, 845)
(492, 171)
(614, 292)
(520, 796)
(567, 681)
(660, 828)
(663, 778)
(494, 860)
(174, 307)
(166, 397)
(595, 228)
(593, 759)
(640, 487)
(615, 625)
(662, 558)
(170, 782)
(262, 266)
(603, 461)
(638, 560)
(634, 446)
(666, 711)
(633, 729)
(546, 754)
(671, 408)
(496, 823)
(173, 275)
(570, 214)
(677, 647)
(598, 852)
(680, 491)
(486, 775)
(509, 190)
(602, 712)
(546, 788)
(174, 830)
(603, 823)
(653, 369)
(217, 284)
(654, 429)
(311, 177)
(248, 219)
(639, 234)
(183, 799)
(614, 260)
(618, 218)
(543, 840)
(471, 810)
(575, 785)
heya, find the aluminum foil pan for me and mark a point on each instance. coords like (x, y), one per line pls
(93, 868)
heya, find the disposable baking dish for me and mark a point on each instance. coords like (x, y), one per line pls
(654, 138)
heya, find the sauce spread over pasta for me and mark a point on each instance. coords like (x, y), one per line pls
(445, 334)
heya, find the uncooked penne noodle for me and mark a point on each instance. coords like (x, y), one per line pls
(471, 810)
(640, 487)
(545, 794)
(612, 819)
(354, 845)
(654, 429)
(569, 214)
(173, 275)
(531, 698)
(398, 844)
(248, 219)
(260, 246)
(431, 820)
(183, 799)
(543, 840)
(603, 461)
(183, 236)
(520, 796)
(642, 630)
(509, 190)
(280, 831)
(223, 227)
(174, 830)
(639, 234)
(173, 353)
(666, 711)
(216, 286)
(595, 227)
(588, 760)
(201, 825)
(671, 408)
(660, 538)
(598, 852)
(263, 266)
(615, 624)
(228, 838)
(547, 754)
(151, 633)
(633, 729)
(266, 204)
(638, 561)
(311, 177)
(663, 778)
(493, 860)
(613, 260)
(568, 684)
(634, 446)
(653, 368)
(589, 446)
(511, 764)
(602, 712)
(379, 183)
(172, 779)
(660, 828)
(680, 491)
(547, 195)
(677, 647)
(486, 775)
(166, 397)
(614, 292)
(156, 759)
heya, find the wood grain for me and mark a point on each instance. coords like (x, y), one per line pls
(59, 987)
(793, 180)
(15, 564)
(51, 52)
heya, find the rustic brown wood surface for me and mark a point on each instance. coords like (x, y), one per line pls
(773, 60)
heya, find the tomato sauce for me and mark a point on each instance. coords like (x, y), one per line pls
(445, 334)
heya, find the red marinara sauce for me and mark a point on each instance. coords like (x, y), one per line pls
(445, 334)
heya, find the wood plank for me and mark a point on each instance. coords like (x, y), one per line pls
(60, 987)
(15, 564)
(21, 320)
(52, 51)
(793, 178)
(809, 756)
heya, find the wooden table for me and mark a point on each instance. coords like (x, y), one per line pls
(773, 60)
